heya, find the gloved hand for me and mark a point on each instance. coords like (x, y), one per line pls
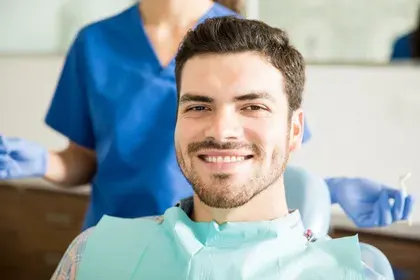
(20, 158)
(367, 202)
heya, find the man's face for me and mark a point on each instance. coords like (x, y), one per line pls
(233, 133)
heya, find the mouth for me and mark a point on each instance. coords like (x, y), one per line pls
(224, 158)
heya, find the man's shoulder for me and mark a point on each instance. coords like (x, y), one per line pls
(74, 254)
(345, 253)
(68, 266)
(78, 245)
(341, 255)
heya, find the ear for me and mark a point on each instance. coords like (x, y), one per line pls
(296, 130)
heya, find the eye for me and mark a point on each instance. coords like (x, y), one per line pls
(254, 108)
(197, 108)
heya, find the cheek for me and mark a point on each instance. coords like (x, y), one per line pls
(272, 140)
(267, 132)
(185, 133)
(179, 137)
(181, 129)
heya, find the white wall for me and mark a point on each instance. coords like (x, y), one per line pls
(26, 87)
(49, 26)
(341, 30)
(364, 119)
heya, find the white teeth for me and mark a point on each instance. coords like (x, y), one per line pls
(225, 159)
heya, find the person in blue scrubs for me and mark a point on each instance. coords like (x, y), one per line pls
(116, 102)
(407, 47)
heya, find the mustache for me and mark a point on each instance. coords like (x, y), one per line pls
(195, 147)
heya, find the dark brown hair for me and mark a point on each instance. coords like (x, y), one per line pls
(225, 35)
(234, 5)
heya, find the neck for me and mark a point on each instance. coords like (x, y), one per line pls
(173, 12)
(268, 205)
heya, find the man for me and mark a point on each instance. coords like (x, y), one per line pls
(240, 87)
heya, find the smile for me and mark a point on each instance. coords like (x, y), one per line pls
(224, 159)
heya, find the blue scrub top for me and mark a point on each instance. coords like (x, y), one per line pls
(115, 97)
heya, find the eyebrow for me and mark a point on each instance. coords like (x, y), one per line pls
(192, 97)
(254, 96)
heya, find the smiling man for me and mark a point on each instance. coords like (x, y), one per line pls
(235, 129)
(240, 86)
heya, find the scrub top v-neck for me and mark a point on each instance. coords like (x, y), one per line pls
(150, 51)
(115, 97)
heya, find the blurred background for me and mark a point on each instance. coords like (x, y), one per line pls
(363, 109)
(325, 31)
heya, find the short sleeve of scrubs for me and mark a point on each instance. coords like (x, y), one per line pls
(69, 110)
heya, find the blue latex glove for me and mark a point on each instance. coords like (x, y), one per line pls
(20, 158)
(367, 202)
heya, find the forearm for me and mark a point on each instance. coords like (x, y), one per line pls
(73, 166)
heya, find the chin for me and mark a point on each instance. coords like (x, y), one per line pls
(225, 178)
(223, 199)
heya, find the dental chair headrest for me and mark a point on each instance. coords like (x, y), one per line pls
(309, 193)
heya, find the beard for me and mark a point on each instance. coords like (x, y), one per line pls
(221, 191)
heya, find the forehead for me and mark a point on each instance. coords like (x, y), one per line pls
(224, 75)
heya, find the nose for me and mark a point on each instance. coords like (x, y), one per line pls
(225, 125)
